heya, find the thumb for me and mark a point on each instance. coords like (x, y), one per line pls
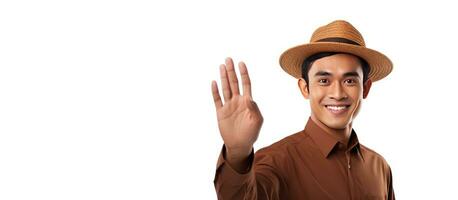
(252, 104)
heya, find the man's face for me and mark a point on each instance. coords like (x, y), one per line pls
(335, 89)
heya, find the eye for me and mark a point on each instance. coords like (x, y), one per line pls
(350, 81)
(323, 81)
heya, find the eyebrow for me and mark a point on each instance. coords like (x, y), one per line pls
(322, 73)
(353, 73)
(347, 74)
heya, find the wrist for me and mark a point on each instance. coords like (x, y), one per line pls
(238, 158)
(237, 155)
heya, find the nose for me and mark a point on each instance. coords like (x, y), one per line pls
(337, 92)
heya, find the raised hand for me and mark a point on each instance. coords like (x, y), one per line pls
(239, 118)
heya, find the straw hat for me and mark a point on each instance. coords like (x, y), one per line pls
(337, 36)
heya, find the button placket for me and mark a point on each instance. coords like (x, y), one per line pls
(350, 176)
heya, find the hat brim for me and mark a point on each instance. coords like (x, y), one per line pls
(291, 60)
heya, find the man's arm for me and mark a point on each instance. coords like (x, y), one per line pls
(239, 175)
(260, 180)
(239, 118)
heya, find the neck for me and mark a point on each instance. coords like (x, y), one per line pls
(343, 135)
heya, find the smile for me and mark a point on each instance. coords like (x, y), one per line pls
(337, 109)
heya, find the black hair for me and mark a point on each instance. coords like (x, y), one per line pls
(309, 61)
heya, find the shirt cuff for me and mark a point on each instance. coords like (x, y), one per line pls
(226, 172)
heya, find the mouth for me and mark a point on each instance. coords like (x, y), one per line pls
(337, 109)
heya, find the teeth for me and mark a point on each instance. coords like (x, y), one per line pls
(336, 107)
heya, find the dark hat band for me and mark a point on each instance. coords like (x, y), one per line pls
(338, 39)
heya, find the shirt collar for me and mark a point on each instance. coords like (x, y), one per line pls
(326, 142)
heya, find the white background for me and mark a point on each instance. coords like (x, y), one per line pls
(112, 99)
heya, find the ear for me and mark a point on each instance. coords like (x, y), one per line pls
(366, 88)
(303, 87)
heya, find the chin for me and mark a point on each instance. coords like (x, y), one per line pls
(336, 123)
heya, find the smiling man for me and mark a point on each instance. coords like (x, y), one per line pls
(335, 72)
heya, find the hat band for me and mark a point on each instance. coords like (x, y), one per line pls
(338, 39)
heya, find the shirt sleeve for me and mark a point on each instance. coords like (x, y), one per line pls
(390, 186)
(261, 181)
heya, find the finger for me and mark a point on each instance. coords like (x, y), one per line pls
(225, 83)
(233, 81)
(254, 105)
(216, 96)
(246, 82)
(251, 105)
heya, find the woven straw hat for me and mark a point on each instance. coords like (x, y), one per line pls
(337, 36)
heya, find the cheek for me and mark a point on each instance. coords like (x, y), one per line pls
(316, 98)
(357, 97)
(356, 110)
(355, 93)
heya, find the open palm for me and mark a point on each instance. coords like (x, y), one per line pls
(239, 119)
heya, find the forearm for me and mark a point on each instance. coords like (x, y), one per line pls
(239, 159)
(255, 180)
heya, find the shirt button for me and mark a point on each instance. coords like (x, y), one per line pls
(341, 146)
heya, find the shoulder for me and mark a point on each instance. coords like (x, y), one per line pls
(280, 151)
(285, 143)
(373, 157)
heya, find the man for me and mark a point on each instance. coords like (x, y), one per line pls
(325, 160)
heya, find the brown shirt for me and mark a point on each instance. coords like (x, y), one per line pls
(310, 164)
